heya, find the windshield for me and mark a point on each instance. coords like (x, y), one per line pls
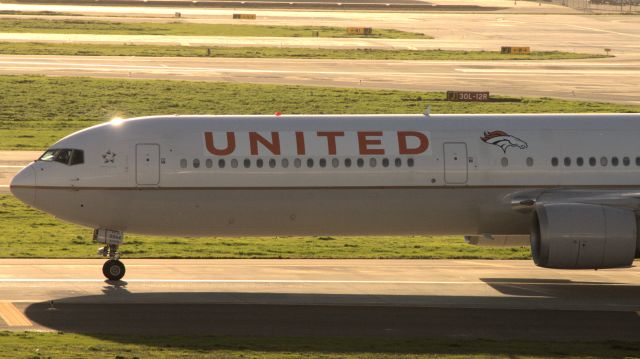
(66, 156)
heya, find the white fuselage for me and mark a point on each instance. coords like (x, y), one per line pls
(334, 174)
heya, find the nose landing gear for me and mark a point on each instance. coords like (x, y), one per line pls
(113, 269)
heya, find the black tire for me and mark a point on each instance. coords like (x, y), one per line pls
(113, 269)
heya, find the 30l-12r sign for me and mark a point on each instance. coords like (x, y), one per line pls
(467, 96)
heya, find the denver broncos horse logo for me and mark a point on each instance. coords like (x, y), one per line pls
(503, 140)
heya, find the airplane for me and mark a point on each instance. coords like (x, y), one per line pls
(568, 183)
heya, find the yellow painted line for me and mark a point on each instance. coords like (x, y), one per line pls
(13, 316)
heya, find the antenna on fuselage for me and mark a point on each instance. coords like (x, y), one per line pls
(427, 111)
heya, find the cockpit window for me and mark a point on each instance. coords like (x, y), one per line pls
(77, 157)
(66, 156)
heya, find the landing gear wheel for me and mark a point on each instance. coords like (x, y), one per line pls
(113, 269)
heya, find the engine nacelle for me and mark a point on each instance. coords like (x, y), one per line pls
(583, 236)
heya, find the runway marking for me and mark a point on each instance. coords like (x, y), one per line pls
(12, 315)
(3, 166)
(289, 281)
(4, 186)
(213, 281)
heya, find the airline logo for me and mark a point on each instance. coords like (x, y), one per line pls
(332, 143)
(503, 140)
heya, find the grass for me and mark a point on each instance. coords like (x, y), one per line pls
(63, 345)
(185, 28)
(34, 48)
(36, 111)
(28, 233)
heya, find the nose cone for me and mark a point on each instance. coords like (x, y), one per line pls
(23, 185)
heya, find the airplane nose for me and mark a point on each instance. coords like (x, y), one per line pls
(23, 185)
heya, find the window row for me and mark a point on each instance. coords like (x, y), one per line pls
(593, 161)
(299, 162)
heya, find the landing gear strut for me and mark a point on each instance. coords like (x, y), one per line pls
(113, 269)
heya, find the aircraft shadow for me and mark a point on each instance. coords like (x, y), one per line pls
(529, 310)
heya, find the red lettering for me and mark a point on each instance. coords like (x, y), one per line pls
(331, 140)
(402, 142)
(300, 143)
(231, 144)
(364, 143)
(273, 146)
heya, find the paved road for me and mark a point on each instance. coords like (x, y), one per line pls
(615, 80)
(506, 6)
(10, 163)
(403, 298)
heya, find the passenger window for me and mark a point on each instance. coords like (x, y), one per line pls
(259, 163)
(626, 161)
(410, 162)
(592, 161)
(285, 163)
(221, 163)
(323, 163)
(504, 162)
(529, 161)
(567, 161)
(272, 163)
(347, 162)
(385, 162)
(554, 161)
(196, 163)
(247, 163)
(579, 161)
(360, 162)
(310, 162)
(372, 162)
(335, 162)
(297, 163)
(614, 161)
(637, 161)
(603, 161)
(398, 162)
(77, 158)
(183, 163)
(234, 163)
(208, 163)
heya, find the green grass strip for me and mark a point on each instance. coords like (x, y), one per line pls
(35, 48)
(186, 29)
(29, 233)
(62, 345)
(36, 111)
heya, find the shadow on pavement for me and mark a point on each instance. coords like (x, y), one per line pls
(530, 310)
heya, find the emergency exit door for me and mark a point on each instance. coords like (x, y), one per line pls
(455, 163)
(147, 164)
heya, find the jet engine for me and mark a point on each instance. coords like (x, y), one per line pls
(583, 236)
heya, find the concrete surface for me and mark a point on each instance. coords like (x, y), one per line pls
(362, 5)
(615, 80)
(10, 163)
(404, 298)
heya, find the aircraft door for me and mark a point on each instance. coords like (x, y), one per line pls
(455, 163)
(147, 164)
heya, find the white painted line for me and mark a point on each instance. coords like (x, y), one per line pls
(286, 281)
(4, 185)
(3, 166)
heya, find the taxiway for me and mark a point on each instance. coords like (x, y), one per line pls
(615, 80)
(401, 298)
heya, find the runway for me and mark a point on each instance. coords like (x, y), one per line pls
(614, 80)
(10, 163)
(397, 298)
